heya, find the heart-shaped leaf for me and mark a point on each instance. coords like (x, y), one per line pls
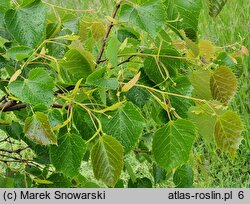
(37, 128)
(107, 160)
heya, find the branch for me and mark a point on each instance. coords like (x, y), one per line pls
(99, 58)
(14, 151)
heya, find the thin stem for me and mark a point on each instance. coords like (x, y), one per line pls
(99, 58)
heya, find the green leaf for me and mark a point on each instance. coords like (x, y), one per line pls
(184, 15)
(182, 87)
(112, 50)
(2, 40)
(37, 129)
(6, 182)
(27, 24)
(184, 176)
(19, 52)
(159, 174)
(172, 143)
(223, 84)
(204, 119)
(215, 7)
(4, 6)
(58, 181)
(137, 96)
(227, 132)
(200, 80)
(160, 70)
(68, 154)
(149, 16)
(83, 122)
(126, 125)
(98, 79)
(37, 89)
(75, 66)
(140, 183)
(107, 160)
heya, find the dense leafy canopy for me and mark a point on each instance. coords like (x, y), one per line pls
(80, 92)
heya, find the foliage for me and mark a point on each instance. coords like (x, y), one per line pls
(76, 88)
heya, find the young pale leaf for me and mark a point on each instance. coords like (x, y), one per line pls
(184, 15)
(107, 160)
(126, 125)
(184, 176)
(207, 49)
(223, 84)
(227, 132)
(98, 79)
(172, 143)
(37, 128)
(200, 81)
(204, 119)
(68, 154)
(139, 15)
(75, 66)
(27, 24)
(37, 89)
(215, 7)
(131, 83)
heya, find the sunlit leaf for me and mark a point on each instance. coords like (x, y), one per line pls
(227, 132)
(223, 84)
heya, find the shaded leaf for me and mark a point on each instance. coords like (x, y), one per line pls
(183, 87)
(184, 176)
(68, 154)
(215, 7)
(83, 122)
(172, 143)
(107, 160)
(160, 70)
(140, 183)
(37, 128)
(137, 96)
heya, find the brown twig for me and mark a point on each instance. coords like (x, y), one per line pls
(17, 151)
(99, 58)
